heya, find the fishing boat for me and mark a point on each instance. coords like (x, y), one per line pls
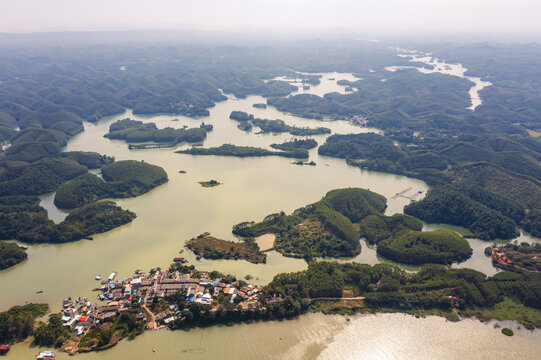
(46, 355)
(98, 277)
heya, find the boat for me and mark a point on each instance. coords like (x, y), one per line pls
(112, 276)
(66, 303)
(180, 260)
(98, 277)
(39, 292)
(46, 355)
(4, 348)
(24, 247)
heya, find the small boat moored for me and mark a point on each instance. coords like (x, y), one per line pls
(46, 355)
(4, 348)
(98, 277)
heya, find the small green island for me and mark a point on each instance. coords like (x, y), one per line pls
(11, 254)
(295, 144)
(128, 178)
(210, 183)
(243, 151)
(209, 247)
(247, 121)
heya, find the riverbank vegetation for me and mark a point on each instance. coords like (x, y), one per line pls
(10, 254)
(243, 151)
(17, 323)
(127, 178)
(210, 247)
(384, 286)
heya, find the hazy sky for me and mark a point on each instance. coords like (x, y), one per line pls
(375, 15)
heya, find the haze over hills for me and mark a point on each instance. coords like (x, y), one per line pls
(357, 174)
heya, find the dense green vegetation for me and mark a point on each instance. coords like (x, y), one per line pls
(433, 287)
(126, 178)
(17, 323)
(33, 144)
(361, 146)
(91, 160)
(490, 181)
(532, 222)
(133, 131)
(247, 121)
(210, 247)
(333, 226)
(41, 177)
(243, 151)
(27, 221)
(378, 227)
(295, 144)
(445, 204)
(421, 247)
(10, 254)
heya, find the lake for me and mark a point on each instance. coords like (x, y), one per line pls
(252, 188)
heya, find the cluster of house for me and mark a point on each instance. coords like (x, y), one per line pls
(358, 120)
(80, 315)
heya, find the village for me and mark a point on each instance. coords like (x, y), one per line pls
(147, 297)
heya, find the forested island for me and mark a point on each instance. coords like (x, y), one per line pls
(295, 144)
(247, 121)
(210, 247)
(333, 227)
(134, 131)
(28, 171)
(243, 151)
(123, 179)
